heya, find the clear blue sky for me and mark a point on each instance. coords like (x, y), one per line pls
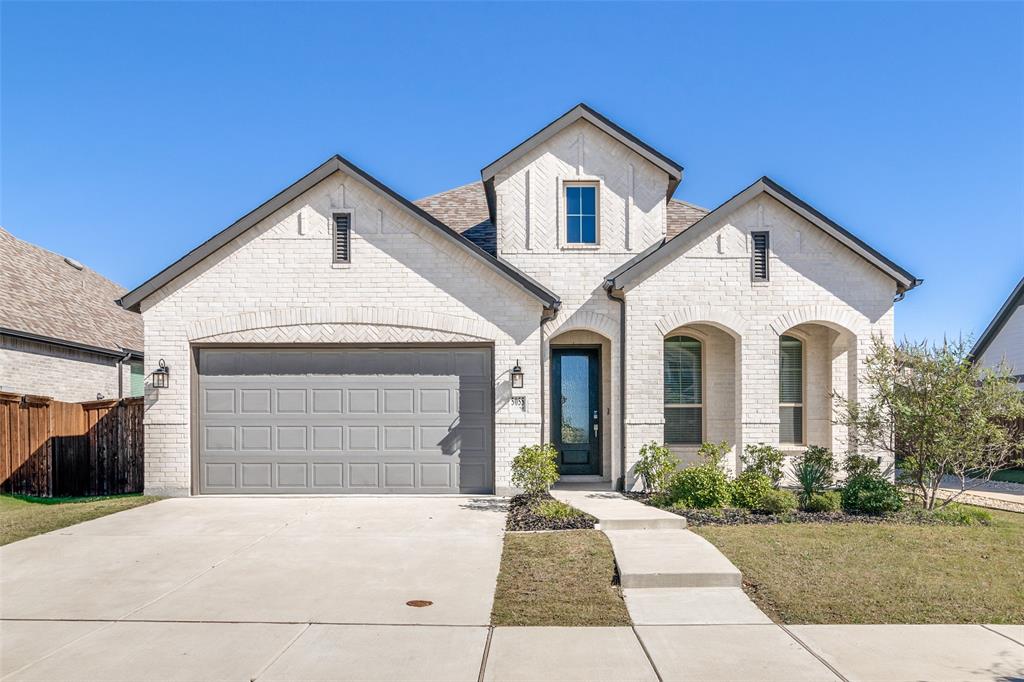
(132, 132)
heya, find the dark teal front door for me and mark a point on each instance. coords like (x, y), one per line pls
(576, 409)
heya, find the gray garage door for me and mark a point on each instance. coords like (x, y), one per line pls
(345, 421)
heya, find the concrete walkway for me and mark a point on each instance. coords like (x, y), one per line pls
(992, 494)
(132, 650)
(669, 575)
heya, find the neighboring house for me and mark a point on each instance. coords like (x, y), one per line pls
(1002, 342)
(340, 338)
(62, 333)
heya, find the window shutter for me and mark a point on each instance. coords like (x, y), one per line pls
(759, 264)
(342, 237)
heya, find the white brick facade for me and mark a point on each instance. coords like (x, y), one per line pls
(407, 283)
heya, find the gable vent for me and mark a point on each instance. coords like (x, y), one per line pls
(342, 237)
(759, 262)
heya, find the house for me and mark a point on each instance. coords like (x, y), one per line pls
(1002, 342)
(62, 333)
(342, 339)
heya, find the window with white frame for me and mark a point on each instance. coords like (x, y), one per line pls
(791, 390)
(581, 213)
(684, 391)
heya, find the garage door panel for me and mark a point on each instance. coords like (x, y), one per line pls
(285, 431)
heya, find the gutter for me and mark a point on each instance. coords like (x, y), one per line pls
(618, 296)
(106, 352)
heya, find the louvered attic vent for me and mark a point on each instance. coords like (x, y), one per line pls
(759, 263)
(342, 237)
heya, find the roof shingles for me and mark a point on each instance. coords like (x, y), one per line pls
(44, 295)
(464, 209)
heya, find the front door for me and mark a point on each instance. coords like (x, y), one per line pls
(576, 409)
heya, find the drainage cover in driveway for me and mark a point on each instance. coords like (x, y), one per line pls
(345, 421)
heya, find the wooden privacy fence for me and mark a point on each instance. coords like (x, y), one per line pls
(50, 448)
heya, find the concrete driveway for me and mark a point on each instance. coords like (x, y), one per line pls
(273, 565)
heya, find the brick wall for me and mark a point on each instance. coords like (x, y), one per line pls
(276, 283)
(66, 374)
(818, 289)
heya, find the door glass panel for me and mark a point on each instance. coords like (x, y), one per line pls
(575, 392)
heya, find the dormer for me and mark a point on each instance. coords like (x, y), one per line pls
(580, 184)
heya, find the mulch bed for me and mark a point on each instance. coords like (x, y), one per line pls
(521, 516)
(745, 517)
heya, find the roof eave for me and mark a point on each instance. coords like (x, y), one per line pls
(1015, 299)
(636, 268)
(133, 299)
(673, 169)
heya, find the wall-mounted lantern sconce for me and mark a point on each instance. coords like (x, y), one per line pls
(517, 376)
(161, 375)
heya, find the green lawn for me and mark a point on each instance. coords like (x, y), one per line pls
(885, 573)
(559, 578)
(1010, 475)
(22, 517)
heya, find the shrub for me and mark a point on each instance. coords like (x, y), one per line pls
(655, 466)
(704, 486)
(814, 471)
(961, 515)
(867, 494)
(535, 469)
(776, 502)
(828, 501)
(858, 465)
(749, 487)
(555, 510)
(712, 454)
(764, 459)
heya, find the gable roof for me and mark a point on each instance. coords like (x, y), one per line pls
(464, 209)
(132, 299)
(584, 112)
(1015, 300)
(50, 298)
(638, 267)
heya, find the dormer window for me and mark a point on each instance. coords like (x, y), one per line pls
(581, 213)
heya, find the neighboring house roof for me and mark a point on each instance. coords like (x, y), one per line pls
(647, 261)
(464, 209)
(1015, 300)
(50, 298)
(580, 111)
(132, 299)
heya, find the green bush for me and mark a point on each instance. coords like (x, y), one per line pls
(555, 510)
(535, 468)
(776, 502)
(857, 465)
(961, 515)
(828, 501)
(712, 454)
(655, 466)
(815, 471)
(763, 459)
(867, 494)
(704, 486)
(749, 487)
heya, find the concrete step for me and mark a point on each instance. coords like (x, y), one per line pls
(670, 558)
(692, 606)
(616, 512)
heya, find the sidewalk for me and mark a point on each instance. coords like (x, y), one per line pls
(128, 651)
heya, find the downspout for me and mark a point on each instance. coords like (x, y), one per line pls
(120, 374)
(545, 316)
(619, 297)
